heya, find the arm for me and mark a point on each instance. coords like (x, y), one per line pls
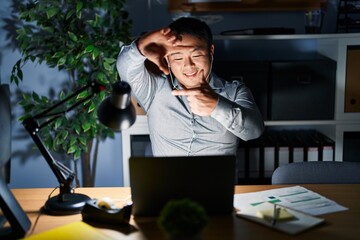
(131, 63)
(237, 112)
(240, 116)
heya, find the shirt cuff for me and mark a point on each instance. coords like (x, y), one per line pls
(225, 112)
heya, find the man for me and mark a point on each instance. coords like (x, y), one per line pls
(190, 110)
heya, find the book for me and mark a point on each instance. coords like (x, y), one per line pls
(75, 230)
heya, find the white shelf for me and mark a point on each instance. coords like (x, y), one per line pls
(288, 36)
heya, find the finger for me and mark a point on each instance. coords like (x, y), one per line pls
(165, 30)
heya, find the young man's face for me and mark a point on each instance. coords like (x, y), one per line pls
(190, 61)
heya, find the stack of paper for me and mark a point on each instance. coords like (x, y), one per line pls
(299, 202)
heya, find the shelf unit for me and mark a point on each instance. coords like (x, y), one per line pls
(333, 46)
(244, 5)
(348, 18)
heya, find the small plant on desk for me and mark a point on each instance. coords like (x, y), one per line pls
(183, 219)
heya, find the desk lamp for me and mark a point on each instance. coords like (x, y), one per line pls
(116, 112)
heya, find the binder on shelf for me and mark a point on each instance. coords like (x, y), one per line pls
(311, 146)
(327, 146)
(296, 151)
(269, 156)
(281, 149)
(352, 85)
(257, 159)
(253, 157)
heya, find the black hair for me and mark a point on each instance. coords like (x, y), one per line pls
(194, 27)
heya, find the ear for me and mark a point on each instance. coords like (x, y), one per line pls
(212, 50)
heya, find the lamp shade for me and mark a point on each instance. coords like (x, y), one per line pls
(116, 111)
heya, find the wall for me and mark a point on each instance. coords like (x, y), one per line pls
(29, 169)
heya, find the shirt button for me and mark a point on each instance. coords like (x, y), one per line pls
(194, 135)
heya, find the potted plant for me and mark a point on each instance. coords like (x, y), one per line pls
(83, 39)
(183, 219)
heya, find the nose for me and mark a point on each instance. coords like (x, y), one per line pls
(188, 62)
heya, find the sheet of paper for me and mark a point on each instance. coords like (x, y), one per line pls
(297, 198)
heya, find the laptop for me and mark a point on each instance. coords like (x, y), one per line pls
(207, 180)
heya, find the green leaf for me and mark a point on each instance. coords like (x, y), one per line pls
(58, 123)
(72, 140)
(58, 54)
(77, 154)
(92, 107)
(72, 149)
(77, 129)
(101, 76)
(19, 74)
(36, 97)
(61, 61)
(82, 140)
(62, 95)
(22, 118)
(86, 126)
(82, 95)
(89, 48)
(72, 36)
(95, 53)
(107, 66)
(70, 13)
(79, 6)
(110, 60)
(79, 14)
(49, 29)
(58, 140)
(51, 11)
(24, 15)
(63, 135)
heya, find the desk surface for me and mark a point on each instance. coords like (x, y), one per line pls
(340, 225)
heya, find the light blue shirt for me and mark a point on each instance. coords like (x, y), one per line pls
(174, 130)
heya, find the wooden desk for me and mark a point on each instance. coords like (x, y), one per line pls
(341, 225)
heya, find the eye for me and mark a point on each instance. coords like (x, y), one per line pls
(198, 55)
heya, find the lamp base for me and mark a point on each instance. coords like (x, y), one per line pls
(72, 203)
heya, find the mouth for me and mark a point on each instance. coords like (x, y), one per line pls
(191, 74)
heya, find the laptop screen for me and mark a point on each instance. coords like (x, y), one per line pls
(207, 180)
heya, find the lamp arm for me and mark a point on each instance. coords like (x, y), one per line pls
(96, 88)
(32, 127)
(63, 174)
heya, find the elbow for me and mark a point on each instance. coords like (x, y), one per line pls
(254, 131)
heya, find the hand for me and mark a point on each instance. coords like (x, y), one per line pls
(155, 46)
(202, 100)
